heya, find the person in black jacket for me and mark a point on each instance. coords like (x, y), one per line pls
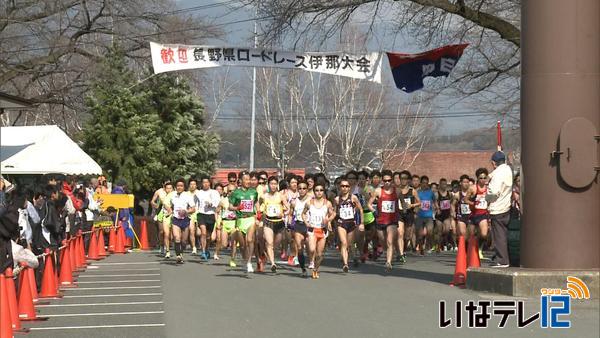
(9, 227)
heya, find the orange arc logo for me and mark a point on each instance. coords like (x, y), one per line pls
(577, 289)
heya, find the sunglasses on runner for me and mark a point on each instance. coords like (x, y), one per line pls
(403, 177)
(387, 181)
(482, 177)
(232, 180)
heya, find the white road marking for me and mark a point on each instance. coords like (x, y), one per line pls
(97, 304)
(116, 295)
(140, 269)
(138, 274)
(93, 327)
(113, 287)
(124, 263)
(104, 314)
(121, 281)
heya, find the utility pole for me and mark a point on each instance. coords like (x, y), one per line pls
(253, 119)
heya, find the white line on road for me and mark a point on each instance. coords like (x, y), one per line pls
(97, 304)
(114, 287)
(116, 295)
(141, 269)
(121, 281)
(124, 263)
(104, 314)
(93, 327)
(139, 274)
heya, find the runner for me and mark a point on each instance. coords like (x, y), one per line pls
(273, 205)
(300, 231)
(182, 204)
(193, 188)
(310, 180)
(387, 215)
(424, 220)
(208, 200)
(462, 207)
(215, 235)
(369, 221)
(317, 215)
(479, 206)
(444, 216)
(347, 206)
(291, 196)
(163, 221)
(232, 182)
(408, 200)
(227, 223)
(416, 182)
(243, 201)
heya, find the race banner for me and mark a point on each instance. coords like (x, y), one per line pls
(172, 57)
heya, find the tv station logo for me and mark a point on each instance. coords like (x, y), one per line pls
(555, 308)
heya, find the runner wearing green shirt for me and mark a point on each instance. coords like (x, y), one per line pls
(243, 202)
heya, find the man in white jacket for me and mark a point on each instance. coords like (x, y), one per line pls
(498, 196)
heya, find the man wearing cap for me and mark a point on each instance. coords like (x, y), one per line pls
(498, 196)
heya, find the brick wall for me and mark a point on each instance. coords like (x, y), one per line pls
(447, 164)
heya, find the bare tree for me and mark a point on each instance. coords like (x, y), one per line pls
(489, 74)
(50, 48)
(280, 129)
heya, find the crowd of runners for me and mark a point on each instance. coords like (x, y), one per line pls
(362, 214)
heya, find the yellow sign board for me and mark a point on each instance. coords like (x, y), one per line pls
(117, 201)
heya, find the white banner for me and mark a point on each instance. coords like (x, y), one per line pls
(167, 58)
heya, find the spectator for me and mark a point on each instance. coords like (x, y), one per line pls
(9, 226)
(498, 195)
(102, 187)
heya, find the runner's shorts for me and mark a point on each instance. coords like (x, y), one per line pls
(245, 223)
(228, 225)
(301, 228)
(407, 218)
(349, 226)
(208, 220)
(423, 222)
(319, 233)
(383, 227)
(182, 223)
(276, 225)
(476, 219)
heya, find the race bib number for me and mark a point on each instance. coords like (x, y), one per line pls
(273, 210)
(465, 209)
(228, 215)
(425, 205)
(316, 220)
(346, 212)
(481, 203)
(246, 205)
(445, 204)
(388, 207)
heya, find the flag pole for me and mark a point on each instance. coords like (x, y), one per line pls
(253, 120)
(499, 136)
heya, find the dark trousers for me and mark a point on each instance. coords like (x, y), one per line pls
(500, 236)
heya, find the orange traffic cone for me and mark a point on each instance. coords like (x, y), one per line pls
(460, 271)
(112, 240)
(79, 258)
(26, 307)
(101, 248)
(128, 242)
(6, 329)
(72, 248)
(49, 287)
(120, 245)
(12, 299)
(66, 272)
(82, 250)
(144, 235)
(32, 285)
(473, 253)
(93, 247)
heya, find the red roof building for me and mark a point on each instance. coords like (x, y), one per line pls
(441, 164)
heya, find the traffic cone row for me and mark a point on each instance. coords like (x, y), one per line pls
(120, 241)
(16, 308)
(464, 260)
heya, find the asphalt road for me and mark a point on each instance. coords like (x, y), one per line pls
(211, 299)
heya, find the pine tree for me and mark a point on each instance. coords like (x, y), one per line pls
(146, 133)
